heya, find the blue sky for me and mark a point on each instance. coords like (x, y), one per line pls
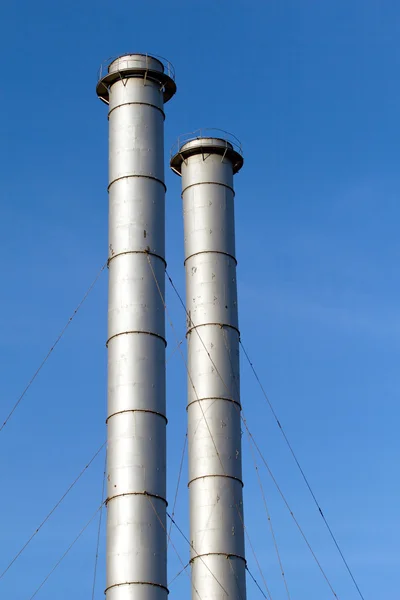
(312, 90)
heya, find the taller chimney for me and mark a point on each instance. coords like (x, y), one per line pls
(136, 86)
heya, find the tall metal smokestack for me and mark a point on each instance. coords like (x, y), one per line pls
(207, 166)
(136, 86)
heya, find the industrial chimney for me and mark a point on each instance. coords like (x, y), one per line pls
(136, 86)
(207, 162)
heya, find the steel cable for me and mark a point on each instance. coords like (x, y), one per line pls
(186, 539)
(202, 410)
(68, 323)
(194, 550)
(252, 439)
(177, 484)
(103, 487)
(178, 345)
(255, 581)
(191, 381)
(275, 543)
(65, 553)
(236, 578)
(184, 567)
(301, 471)
(289, 509)
(52, 511)
(178, 574)
(271, 526)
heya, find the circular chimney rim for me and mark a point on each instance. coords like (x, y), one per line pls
(136, 64)
(207, 141)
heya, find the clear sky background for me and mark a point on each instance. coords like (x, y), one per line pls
(311, 88)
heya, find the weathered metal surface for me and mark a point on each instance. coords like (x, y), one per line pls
(218, 561)
(136, 470)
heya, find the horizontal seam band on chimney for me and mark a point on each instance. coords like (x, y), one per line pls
(211, 252)
(157, 335)
(214, 398)
(135, 175)
(147, 252)
(155, 496)
(141, 410)
(216, 475)
(208, 183)
(227, 555)
(140, 103)
(160, 585)
(220, 325)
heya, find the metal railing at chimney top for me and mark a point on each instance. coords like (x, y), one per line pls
(207, 133)
(168, 66)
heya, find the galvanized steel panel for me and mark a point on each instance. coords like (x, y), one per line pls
(214, 423)
(136, 469)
